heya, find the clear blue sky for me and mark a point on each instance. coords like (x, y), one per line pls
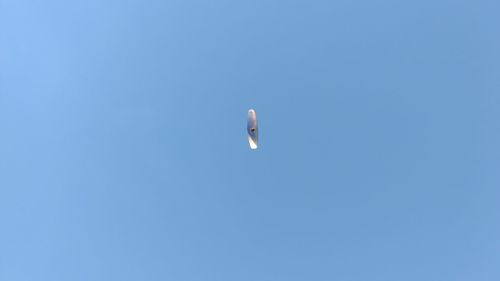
(123, 151)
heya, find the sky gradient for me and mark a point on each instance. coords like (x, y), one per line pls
(124, 155)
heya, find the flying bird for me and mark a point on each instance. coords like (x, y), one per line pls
(252, 129)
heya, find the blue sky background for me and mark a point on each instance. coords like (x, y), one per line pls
(123, 152)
